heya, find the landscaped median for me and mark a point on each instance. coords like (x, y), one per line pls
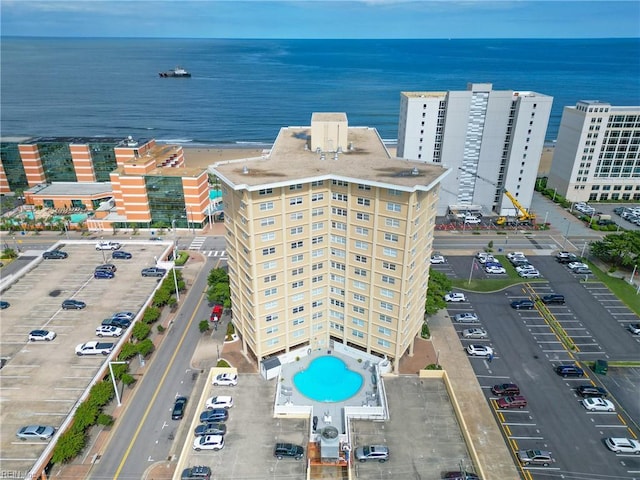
(564, 337)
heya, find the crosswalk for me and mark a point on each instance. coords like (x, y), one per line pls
(215, 253)
(197, 243)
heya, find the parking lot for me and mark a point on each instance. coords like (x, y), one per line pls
(43, 381)
(526, 350)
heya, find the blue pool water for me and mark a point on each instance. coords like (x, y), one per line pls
(73, 218)
(328, 380)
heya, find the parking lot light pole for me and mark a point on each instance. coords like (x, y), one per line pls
(564, 242)
(113, 379)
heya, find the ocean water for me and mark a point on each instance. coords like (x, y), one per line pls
(243, 91)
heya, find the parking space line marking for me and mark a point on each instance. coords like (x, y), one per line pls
(610, 426)
(526, 438)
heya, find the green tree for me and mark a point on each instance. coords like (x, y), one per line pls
(217, 275)
(129, 350)
(203, 326)
(140, 331)
(438, 286)
(101, 393)
(151, 315)
(69, 445)
(219, 293)
(9, 253)
(145, 347)
(85, 416)
(620, 249)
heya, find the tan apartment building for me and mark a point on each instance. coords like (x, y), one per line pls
(329, 239)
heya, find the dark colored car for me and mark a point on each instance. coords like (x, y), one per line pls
(570, 257)
(591, 391)
(71, 304)
(199, 472)
(179, 406)
(125, 315)
(461, 476)
(121, 254)
(210, 429)
(522, 304)
(505, 389)
(569, 371)
(109, 267)
(103, 274)
(55, 255)
(288, 450)
(153, 272)
(516, 401)
(553, 298)
(116, 322)
(4, 304)
(214, 415)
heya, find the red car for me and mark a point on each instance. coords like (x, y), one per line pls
(505, 389)
(216, 313)
(516, 401)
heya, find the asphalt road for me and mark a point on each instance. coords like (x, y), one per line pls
(145, 433)
(526, 350)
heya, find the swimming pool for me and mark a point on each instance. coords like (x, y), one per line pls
(327, 379)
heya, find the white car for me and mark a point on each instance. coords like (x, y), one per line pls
(466, 317)
(480, 255)
(455, 297)
(623, 445)
(596, 404)
(634, 328)
(108, 331)
(435, 259)
(474, 333)
(226, 379)
(41, 335)
(221, 401)
(574, 265)
(208, 442)
(494, 269)
(530, 274)
(525, 268)
(472, 220)
(487, 258)
(512, 255)
(108, 246)
(479, 350)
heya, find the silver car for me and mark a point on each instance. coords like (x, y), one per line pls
(372, 452)
(35, 432)
(466, 317)
(474, 333)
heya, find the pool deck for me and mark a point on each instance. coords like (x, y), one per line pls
(329, 413)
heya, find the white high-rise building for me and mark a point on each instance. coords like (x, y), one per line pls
(597, 154)
(492, 141)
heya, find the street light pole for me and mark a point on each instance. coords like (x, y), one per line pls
(555, 190)
(566, 234)
(113, 379)
(175, 278)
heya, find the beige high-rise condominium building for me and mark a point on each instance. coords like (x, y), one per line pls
(328, 238)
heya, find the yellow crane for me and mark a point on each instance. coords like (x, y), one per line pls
(524, 217)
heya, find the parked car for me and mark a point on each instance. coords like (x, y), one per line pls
(208, 442)
(474, 333)
(574, 265)
(212, 428)
(522, 304)
(41, 335)
(372, 452)
(103, 274)
(495, 270)
(517, 401)
(199, 472)
(472, 220)
(124, 315)
(116, 322)
(436, 259)
(179, 406)
(108, 331)
(505, 389)
(634, 328)
(4, 304)
(55, 255)
(535, 457)
(529, 274)
(121, 254)
(108, 246)
(109, 267)
(466, 317)
(569, 371)
(598, 404)
(512, 255)
(455, 297)
(479, 350)
(71, 304)
(623, 445)
(553, 298)
(525, 267)
(458, 475)
(282, 450)
(571, 257)
(226, 379)
(153, 272)
(486, 259)
(215, 415)
(582, 271)
(35, 432)
(591, 391)
(220, 401)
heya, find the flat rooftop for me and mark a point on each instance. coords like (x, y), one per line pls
(366, 161)
(73, 188)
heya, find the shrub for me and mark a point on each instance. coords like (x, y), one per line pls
(85, 416)
(223, 363)
(140, 331)
(129, 350)
(104, 419)
(433, 366)
(69, 445)
(182, 258)
(203, 326)
(151, 315)
(161, 329)
(425, 331)
(101, 393)
(128, 379)
(146, 347)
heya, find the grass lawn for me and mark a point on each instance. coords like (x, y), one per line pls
(619, 287)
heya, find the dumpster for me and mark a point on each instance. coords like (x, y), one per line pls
(601, 367)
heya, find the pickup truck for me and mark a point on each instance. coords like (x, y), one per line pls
(94, 348)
